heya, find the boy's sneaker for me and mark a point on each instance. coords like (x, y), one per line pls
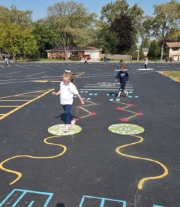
(66, 128)
(73, 123)
(126, 94)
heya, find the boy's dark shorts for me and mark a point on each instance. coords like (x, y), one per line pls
(122, 86)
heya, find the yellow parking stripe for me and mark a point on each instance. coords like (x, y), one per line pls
(21, 106)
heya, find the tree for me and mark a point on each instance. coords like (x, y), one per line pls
(115, 10)
(175, 36)
(13, 23)
(110, 41)
(154, 49)
(45, 37)
(166, 20)
(123, 27)
(71, 22)
(15, 41)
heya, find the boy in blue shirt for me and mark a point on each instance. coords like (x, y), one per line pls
(123, 77)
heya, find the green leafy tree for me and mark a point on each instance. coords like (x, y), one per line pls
(165, 21)
(110, 41)
(154, 49)
(123, 27)
(71, 22)
(115, 10)
(46, 38)
(15, 41)
(13, 28)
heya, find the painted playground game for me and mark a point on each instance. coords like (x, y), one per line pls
(122, 151)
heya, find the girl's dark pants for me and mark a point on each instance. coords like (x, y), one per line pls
(68, 117)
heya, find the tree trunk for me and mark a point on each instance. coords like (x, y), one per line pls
(1, 57)
(66, 52)
(138, 54)
(14, 57)
(162, 50)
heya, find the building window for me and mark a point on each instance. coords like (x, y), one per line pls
(74, 53)
(52, 53)
(175, 48)
(60, 52)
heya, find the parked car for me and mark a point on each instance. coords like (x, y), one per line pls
(87, 56)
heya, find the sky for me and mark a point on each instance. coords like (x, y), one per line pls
(39, 7)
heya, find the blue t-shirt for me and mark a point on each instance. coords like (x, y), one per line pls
(123, 76)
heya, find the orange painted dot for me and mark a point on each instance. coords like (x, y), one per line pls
(124, 119)
(120, 109)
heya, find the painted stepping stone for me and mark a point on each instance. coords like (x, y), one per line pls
(118, 99)
(86, 92)
(83, 98)
(90, 94)
(130, 92)
(111, 99)
(59, 130)
(95, 94)
(129, 96)
(75, 96)
(113, 94)
(136, 96)
(126, 129)
(88, 99)
(81, 91)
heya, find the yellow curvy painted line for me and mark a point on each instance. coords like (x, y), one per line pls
(19, 174)
(19, 107)
(142, 181)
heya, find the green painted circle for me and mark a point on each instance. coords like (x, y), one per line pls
(126, 129)
(59, 130)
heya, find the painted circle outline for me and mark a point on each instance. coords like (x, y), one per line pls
(59, 130)
(124, 129)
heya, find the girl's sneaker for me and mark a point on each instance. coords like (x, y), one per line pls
(73, 123)
(66, 128)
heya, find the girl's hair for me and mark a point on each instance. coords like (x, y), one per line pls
(69, 75)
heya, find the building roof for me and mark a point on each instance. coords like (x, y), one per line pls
(71, 48)
(173, 44)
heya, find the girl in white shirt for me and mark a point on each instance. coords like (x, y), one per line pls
(66, 92)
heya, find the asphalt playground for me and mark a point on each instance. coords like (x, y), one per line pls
(123, 152)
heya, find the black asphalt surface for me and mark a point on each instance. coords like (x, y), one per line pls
(90, 167)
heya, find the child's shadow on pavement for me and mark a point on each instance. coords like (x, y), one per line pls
(63, 117)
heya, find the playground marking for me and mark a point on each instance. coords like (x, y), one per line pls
(143, 69)
(103, 201)
(90, 103)
(59, 130)
(132, 130)
(36, 74)
(126, 129)
(19, 174)
(142, 181)
(9, 73)
(22, 193)
(36, 95)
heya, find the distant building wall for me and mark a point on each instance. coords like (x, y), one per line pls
(117, 56)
